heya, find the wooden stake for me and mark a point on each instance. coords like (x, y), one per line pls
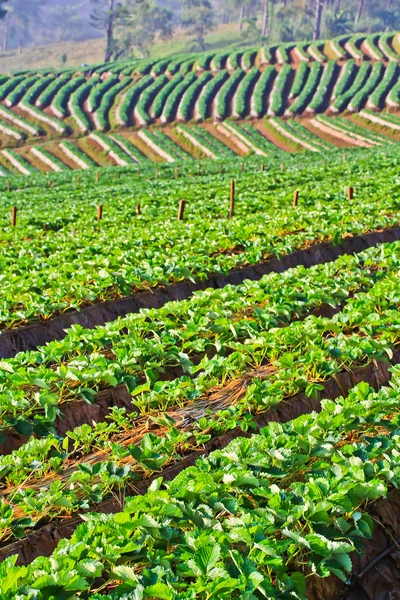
(138, 210)
(350, 193)
(344, 157)
(176, 171)
(49, 183)
(45, 226)
(262, 167)
(282, 167)
(156, 173)
(8, 185)
(99, 212)
(220, 168)
(97, 177)
(181, 209)
(78, 180)
(242, 167)
(295, 198)
(232, 199)
(13, 216)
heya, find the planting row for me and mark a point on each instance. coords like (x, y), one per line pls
(247, 330)
(108, 101)
(37, 262)
(294, 497)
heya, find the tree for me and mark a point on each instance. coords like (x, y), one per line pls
(107, 15)
(319, 7)
(19, 16)
(359, 11)
(198, 18)
(3, 9)
(338, 23)
(143, 21)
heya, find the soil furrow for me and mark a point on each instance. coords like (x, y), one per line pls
(43, 539)
(31, 336)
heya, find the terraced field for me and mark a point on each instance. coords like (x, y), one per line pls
(199, 359)
(209, 105)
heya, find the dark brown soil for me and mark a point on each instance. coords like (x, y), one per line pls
(31, 336)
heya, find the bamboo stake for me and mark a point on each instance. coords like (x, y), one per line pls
(262, 166)
(295, 198)
(232, 199)
(242, 167)
(99, 212)
(350, 193)
(78, 180)
(156, 173)
(138, 210)
(344, 157)
(97, 177)
(8, 185)
(282, 167)
(176, 171)
(181, 209)
(13, 216)
(220, 168)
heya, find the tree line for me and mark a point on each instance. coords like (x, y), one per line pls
(132, 27)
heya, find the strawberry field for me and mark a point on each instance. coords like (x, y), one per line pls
(200, 347)
(209, 105)
(204, 404)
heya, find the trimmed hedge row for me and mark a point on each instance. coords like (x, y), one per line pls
(37, 88)
(226, 94)
(300, 79)
(385, 47)
(303, 99)
(324, 86)
(163, 95)
(190, 96)
(146, 97)
(101, 116)
(377, 98)
(218, 61)
(370, 85)
(262, 90)
(345, 78)
(131, 97)
(209, 92)
(361, 77)
(47, 96)
(98, 92)
(76, 102)
(248, 59)
(61, 99)
(16, 95)
(244, 92)
(172, 101)
(277, 100)
(9, 85)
